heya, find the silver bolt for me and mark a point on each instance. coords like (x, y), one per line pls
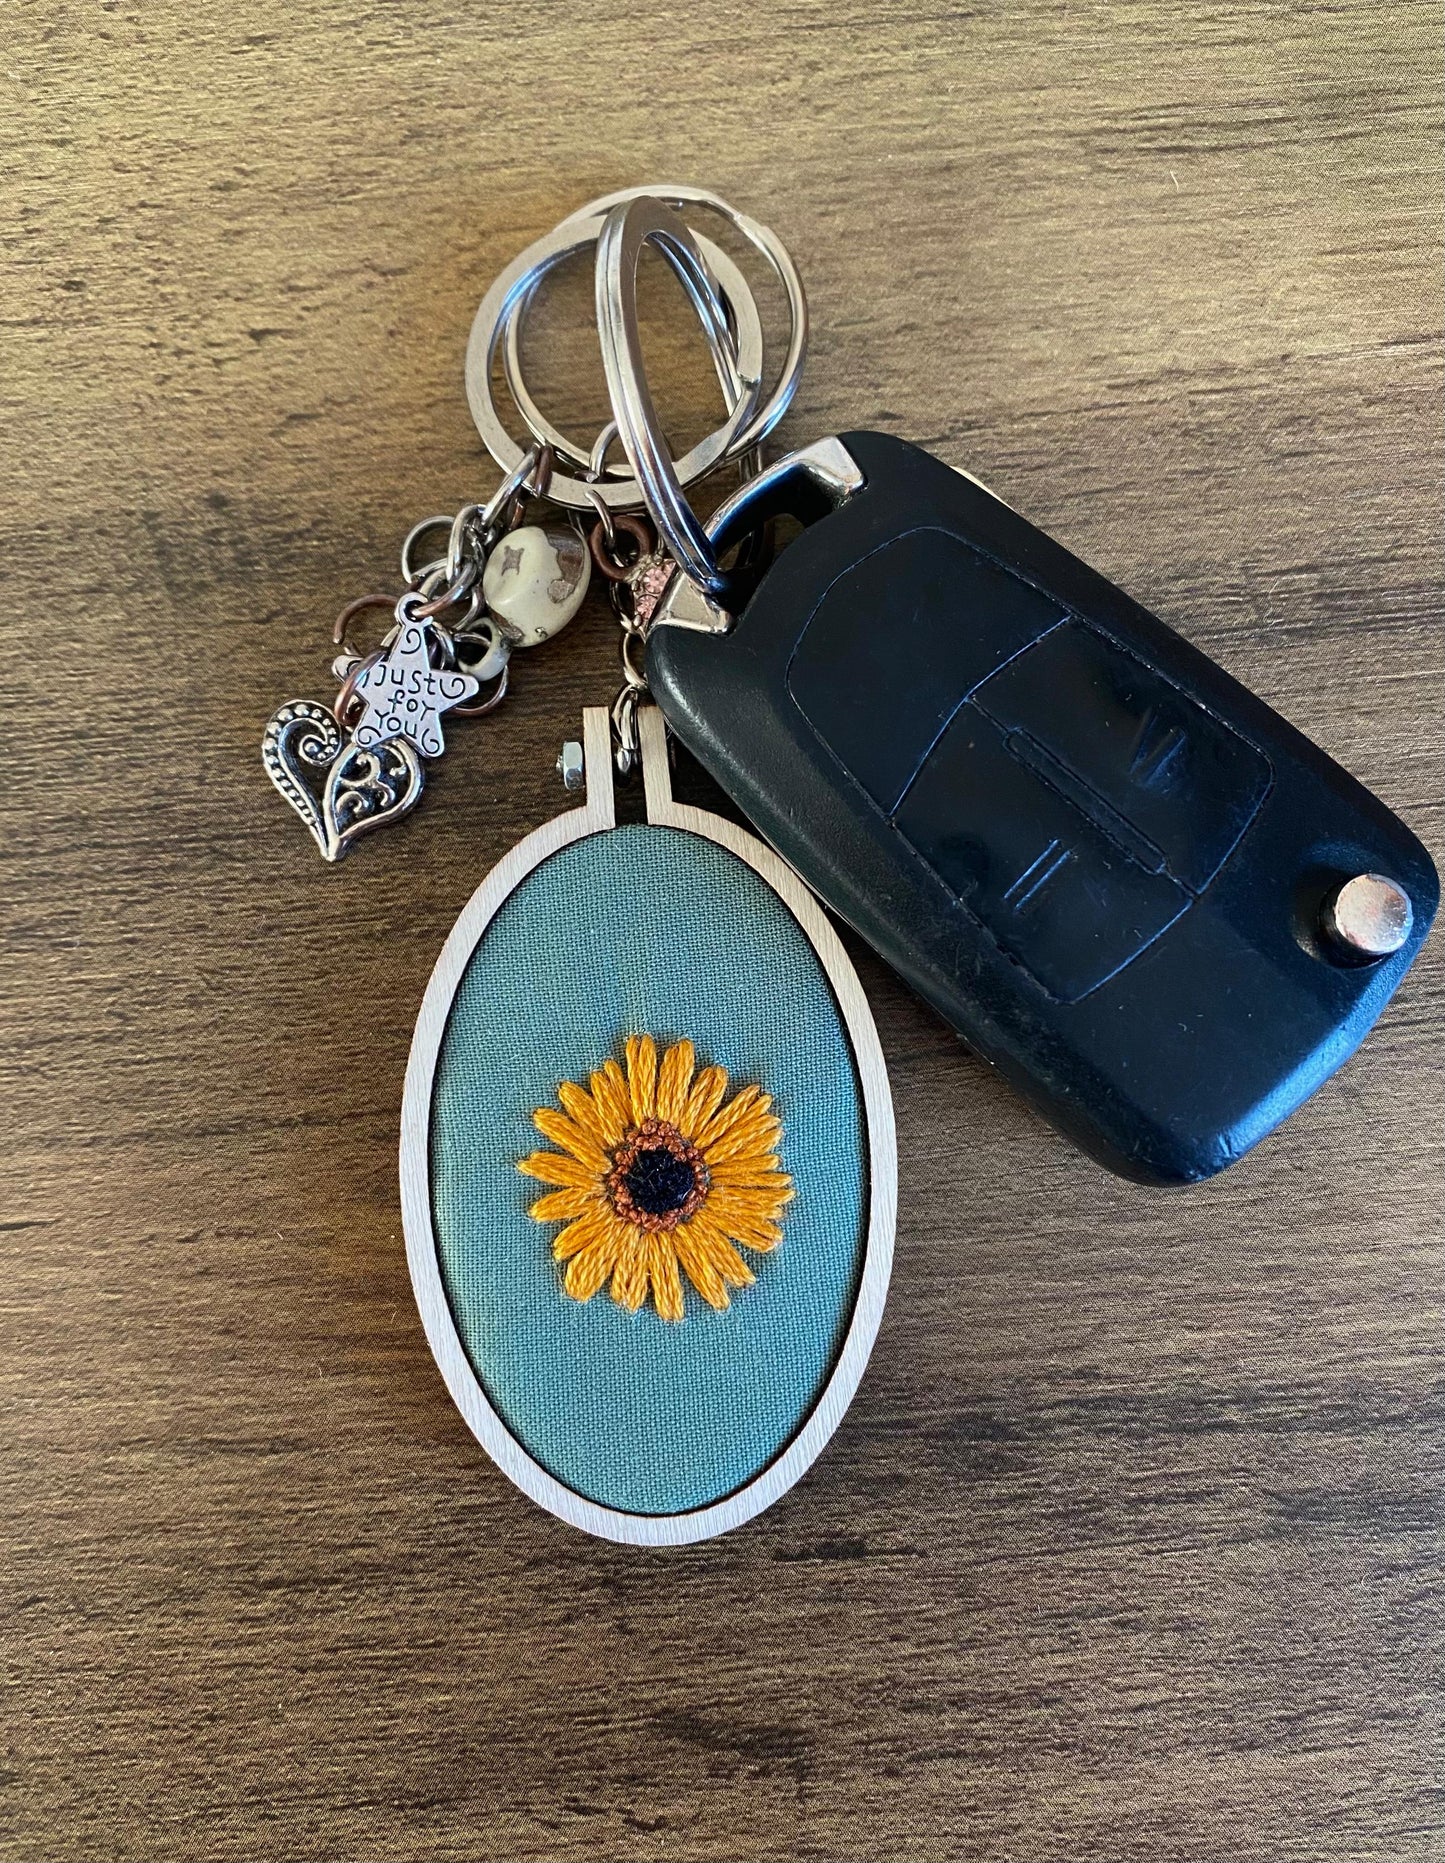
(1368, 917)
(570, 766)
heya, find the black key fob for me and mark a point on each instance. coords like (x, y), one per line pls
(1156, 907)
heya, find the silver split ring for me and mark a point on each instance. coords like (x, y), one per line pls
(719, 322)
(630, 227)
(763, 240)
(713, 278)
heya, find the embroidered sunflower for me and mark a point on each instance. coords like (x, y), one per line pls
(657, 1178)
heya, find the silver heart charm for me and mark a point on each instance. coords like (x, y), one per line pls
(364, 788)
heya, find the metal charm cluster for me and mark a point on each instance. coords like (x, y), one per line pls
(501, 584)
(511, 573)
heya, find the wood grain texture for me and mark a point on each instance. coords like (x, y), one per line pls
(1130, 1546)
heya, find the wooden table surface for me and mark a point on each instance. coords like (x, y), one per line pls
(1130, 1545)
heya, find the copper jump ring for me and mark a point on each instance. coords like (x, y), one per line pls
(451, 594)
(604, 515)
(603, 545)
(348, 698)
(352, 609)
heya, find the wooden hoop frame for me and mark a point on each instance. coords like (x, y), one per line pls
(596, 816)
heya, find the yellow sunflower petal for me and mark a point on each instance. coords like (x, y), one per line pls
(769, 1209)
(751, 1136)
(699, 1269)
(613, 1102)
(749, 1200)
(724, 1159)
(674, 1078)
(576, 1236)
(702, 1100)
(766, 1209)
(725, 1119)
(629, 1276)
(759, 1235)
(559, 1205)
(560, 1129)
(731, 1266)
(754, 1230)
(763, 1173)
(776, 1191)
(662, 1272)
(590, 1267)
(642, 1075)
(719, 1250)
(553, 1167)
(581, 1108)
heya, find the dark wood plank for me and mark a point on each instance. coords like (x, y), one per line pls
(1131, 1543)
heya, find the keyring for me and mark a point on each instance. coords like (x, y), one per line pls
(678, 195)
(763, 240)
(720, 331)
(713, 276)
(719, 326)
(631, 226)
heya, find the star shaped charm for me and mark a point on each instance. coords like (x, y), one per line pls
(405, 695)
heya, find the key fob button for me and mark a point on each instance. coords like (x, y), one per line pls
(1062, 897)
(895, 643)
(1141, 749)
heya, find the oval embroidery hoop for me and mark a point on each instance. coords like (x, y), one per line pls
(597, 816)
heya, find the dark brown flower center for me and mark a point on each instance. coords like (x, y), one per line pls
(658, 1178)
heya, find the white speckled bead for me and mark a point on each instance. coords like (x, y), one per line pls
(535, 580)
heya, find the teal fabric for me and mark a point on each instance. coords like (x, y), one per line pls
(645, 930)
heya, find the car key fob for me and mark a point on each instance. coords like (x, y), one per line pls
(1161, 911)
